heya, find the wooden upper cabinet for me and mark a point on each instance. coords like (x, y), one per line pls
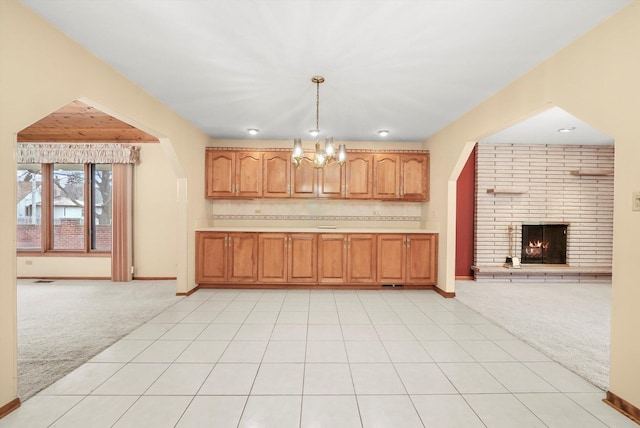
(232, 174)
(271, 174)
(359, 169)
(331, 181)
(249, 174)
(414, 177)
(386, 176)
(304, 179)
(220, 174)
(276, 174)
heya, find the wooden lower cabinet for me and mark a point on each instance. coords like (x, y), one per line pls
(422, 263)
(332, 258)
(392, 259)
(323, 259)
(226, 257)
(361, 258)
(408, 259)
(287, 258)
(211, 257)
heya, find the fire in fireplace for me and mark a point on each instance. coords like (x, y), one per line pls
(544, 243)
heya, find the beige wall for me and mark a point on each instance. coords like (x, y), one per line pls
(42, 70)
(155, 214)
(596, 79)
(63, 267)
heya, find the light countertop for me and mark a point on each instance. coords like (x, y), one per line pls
(319, 229)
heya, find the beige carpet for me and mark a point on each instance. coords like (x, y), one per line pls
(64, 323)
(569, 322)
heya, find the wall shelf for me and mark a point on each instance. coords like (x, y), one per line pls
(507, 190)
(594, 172)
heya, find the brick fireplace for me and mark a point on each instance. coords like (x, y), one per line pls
(566, 186)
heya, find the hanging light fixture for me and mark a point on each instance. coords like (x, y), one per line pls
(323, 157)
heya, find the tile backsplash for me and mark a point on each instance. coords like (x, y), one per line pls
(315, 212)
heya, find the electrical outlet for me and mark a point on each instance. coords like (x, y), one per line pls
(28, 262)
(635, 204)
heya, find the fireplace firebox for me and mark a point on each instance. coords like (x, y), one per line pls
(544, 243)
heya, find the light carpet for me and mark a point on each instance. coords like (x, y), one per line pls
(569, 322)
(63, 324)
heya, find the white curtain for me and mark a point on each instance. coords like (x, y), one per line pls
(114, 153)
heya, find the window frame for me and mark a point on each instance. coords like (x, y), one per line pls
(47, 221)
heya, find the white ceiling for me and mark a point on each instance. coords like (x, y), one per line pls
(544, 129)
(408, 66)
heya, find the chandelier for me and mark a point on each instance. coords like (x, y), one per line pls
(323, 157)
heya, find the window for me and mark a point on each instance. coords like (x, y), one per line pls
(64, 207)
(29, 206)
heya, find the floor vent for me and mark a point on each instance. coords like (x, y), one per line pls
(392, 285)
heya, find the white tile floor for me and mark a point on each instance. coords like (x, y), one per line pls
(318, 358)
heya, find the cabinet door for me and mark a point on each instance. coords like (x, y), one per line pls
(331, 181)
(415, 177)
(332, 258)
(359, 169)
(361, 258)
(220, 174)
(302, 252)
(243, 260)
(303, 179)
(391, 259)
(276, 171)
(386, 176)
(422, 261)
(211, 257)
(272, 257)
(248, 175)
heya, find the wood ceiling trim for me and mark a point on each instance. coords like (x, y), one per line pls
(80, 123)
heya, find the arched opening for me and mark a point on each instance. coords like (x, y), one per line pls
(547, 171)
(81, 195)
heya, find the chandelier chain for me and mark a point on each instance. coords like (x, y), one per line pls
(318, 106)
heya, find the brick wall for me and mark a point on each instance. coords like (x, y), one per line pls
(550, 194)
(68, 235)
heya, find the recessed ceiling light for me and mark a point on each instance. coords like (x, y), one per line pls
(383, 132)
(563, 130)
(253, 131)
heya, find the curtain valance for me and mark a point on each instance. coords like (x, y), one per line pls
(78, 153)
